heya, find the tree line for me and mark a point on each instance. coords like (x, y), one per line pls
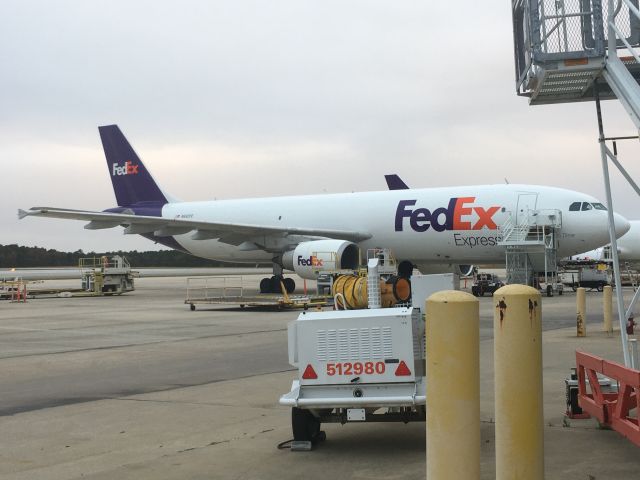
(15, 256)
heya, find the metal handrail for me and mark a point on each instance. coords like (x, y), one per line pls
(618, 34)
(533, 229)
(205, 288)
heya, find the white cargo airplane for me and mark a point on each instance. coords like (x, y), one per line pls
(435, 229)
(628, 248)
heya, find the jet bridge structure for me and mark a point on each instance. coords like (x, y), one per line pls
(583, 50)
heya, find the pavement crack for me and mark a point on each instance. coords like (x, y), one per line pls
(175, 402)
(211, 444)
(219, 442)
(144, 344)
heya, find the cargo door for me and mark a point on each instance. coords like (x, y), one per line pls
(526, 201)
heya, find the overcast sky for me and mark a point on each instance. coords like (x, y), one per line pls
(232, 99)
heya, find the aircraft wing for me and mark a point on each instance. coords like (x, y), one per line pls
(176, 226)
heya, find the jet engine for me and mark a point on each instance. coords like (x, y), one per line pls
(465, 270)
(309, 259)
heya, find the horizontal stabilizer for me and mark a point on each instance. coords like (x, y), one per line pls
(22, 214)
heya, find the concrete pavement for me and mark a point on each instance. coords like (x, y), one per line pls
(166, 393)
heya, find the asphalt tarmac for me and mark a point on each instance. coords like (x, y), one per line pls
(139, 386)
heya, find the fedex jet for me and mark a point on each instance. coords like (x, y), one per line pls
(628, 248)
(435, 229)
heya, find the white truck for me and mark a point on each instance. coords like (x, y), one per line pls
(355, 366)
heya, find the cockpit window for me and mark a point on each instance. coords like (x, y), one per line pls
(586, 206)
(599, 206)
(575, 207)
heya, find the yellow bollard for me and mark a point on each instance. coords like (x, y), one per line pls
(607, 304)
(453, 386)
(581, 315)
(518, 383)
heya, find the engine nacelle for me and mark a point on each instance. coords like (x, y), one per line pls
(309, 259)
(465, 270)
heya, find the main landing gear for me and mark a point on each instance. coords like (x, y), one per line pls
(272, 285)
(275, 283)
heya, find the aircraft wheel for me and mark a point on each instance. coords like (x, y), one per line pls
(275, 284)
(265, 285)
(289, 285)
(192, 307)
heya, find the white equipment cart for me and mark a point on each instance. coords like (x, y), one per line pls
(355, 366)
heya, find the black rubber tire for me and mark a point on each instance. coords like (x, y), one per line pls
(275, 284)
(306, 427)
(600, 288)
(192, 307)
(289, 285)
(405, 269)
(265, 285)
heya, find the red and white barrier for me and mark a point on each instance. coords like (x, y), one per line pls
(612, 409)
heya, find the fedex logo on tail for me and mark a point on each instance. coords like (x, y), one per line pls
(127, 169)
(461, 214)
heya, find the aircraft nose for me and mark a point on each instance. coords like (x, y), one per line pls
(622, 224)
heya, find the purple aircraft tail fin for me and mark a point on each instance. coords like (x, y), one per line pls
(394, 182)
(132, 182)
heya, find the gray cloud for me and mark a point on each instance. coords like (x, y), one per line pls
(251, 98)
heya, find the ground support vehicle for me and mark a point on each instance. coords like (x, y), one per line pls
(106, 275)
(99, 276)
(485, 283)
(591, 278)
(355, 366)
(549, 288)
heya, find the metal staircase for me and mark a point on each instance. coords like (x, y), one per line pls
(632, 275)
(562, 49)
(531, 245)
(581, 50)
